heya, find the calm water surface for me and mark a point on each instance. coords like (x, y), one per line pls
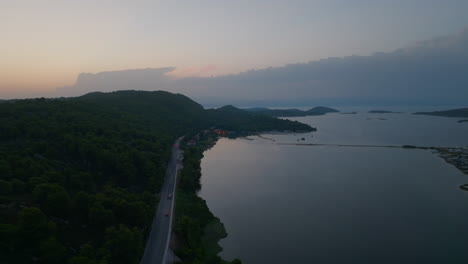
(328, 204)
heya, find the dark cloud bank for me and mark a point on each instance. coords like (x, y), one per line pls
(430, 72)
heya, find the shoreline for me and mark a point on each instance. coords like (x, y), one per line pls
(457, 156)
(197, 230)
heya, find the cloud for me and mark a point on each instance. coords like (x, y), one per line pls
(432, 71)
(137, 79)
(203, 71)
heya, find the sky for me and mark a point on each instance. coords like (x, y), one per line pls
(431, 72)
(47, 44)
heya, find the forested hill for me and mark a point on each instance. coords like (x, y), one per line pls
(232, 118)
(460, 112)
(162, 111)
(78, 175)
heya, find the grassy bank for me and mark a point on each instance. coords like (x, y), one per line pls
(197, 230)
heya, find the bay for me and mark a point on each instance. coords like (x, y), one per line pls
(331, 204)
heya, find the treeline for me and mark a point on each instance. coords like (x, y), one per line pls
(78, 176)
(197, 229)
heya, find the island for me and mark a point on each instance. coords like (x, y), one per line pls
(376, 118)
(459, 112)
(382, 112)
(319, 110)
(80, 177)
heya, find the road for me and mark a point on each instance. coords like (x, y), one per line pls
(158, 240)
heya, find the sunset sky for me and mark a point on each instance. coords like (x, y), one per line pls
(46, 44)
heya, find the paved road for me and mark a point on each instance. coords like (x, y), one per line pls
(158, 240)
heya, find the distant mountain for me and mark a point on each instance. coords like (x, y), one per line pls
(460, 112)
(320, 110)
(255, 109)
(230, 109)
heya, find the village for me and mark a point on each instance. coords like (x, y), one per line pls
(219, 132)
(455, 156)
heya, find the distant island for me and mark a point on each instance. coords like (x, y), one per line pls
(348, 113)
(382, 112)
(320, 110)
(463, 121)
(460, 112)
(376, 118)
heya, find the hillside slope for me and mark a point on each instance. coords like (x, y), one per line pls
(78, 175)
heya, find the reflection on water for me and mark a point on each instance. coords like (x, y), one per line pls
(397, 129)
(325, 204)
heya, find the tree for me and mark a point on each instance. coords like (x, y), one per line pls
(53, 198)
(18, 186)
(134, 213)
(81, 260)
(52, 251)
(5, 170)
(99, 216)
(32, 224)
(8, 238)
(81, 205)
(5, 187)
(125, 245)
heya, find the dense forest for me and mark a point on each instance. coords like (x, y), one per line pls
(79, 176)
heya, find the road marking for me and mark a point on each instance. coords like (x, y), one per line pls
(172, 201)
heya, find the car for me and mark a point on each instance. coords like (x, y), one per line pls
(169, 196)
(166, 214)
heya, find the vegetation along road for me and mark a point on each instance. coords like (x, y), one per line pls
(158, 240)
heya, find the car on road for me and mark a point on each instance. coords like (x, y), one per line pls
(169, 196)
(166, 214)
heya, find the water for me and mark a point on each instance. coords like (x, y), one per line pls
(328, 204)
(397, 129)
